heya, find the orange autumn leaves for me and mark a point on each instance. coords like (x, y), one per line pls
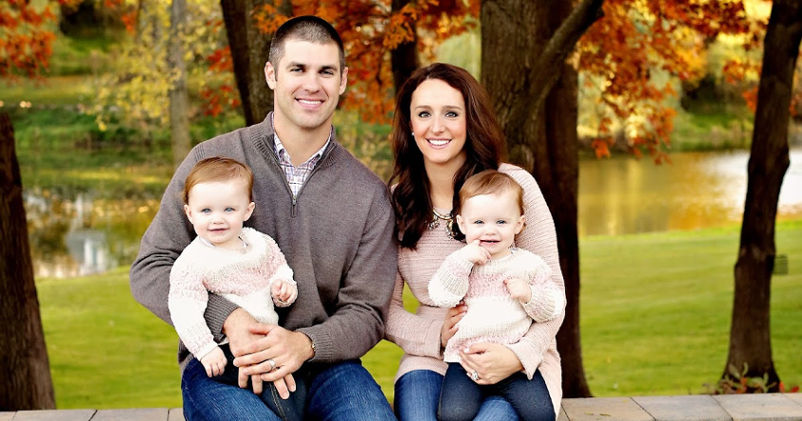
(626, 59)
(370, 30)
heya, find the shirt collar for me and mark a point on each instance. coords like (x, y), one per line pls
(281, 151)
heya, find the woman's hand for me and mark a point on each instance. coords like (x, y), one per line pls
(492, 362)
(454, 315)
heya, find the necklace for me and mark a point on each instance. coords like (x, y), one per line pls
(448, 219)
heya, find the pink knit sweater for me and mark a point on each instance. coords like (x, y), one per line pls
(418, 334)
(242, 277)
(493, 315)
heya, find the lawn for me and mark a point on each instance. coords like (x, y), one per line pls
(655, 311)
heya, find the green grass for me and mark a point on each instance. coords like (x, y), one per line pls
(105, 350)
(655, 311)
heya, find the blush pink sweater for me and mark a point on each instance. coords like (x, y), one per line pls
(493, 315)
(418, 334)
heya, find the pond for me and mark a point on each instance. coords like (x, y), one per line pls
(82, 232)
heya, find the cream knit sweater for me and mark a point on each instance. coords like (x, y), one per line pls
(418, 334)
(493, 315)
(244, 278)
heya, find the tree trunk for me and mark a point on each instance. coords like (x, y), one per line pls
(522, 48)
(179, 98)
(249, 50)
(404, 59)
(24, 367)
(750, 339)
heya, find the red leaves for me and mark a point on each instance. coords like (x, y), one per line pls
(26, 44)
(220, 60)
(219, 98)
(783, 389)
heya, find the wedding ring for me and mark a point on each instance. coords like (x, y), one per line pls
(273, 364)
(475, 375)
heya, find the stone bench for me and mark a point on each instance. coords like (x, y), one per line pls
(757, 407)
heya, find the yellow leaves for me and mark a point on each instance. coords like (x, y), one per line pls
(135, 93)
(625, 58)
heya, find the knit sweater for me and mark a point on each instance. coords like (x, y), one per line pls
(418, 334)
(336, 234)
(243, 277)
(493, 315)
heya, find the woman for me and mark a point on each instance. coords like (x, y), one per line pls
(443, 132)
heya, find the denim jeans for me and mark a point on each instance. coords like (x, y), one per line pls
(291, 409)
(417, 394)
(335, 392)
(461, 397)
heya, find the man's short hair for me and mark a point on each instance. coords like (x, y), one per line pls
(305, 28)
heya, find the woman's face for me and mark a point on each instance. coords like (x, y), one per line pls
(437, 117)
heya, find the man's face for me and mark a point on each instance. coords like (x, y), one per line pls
(307, 83)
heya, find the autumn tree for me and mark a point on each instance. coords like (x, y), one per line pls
(248, 43)
(24, 366)
(750, 339)
(179, 96)
(404, 57)
(26, 36)
(146, 69)
(534, 91)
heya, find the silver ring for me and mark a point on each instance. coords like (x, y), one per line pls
(475, 375)
(272, 364)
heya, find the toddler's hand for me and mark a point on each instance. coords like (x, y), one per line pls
(475, 253)
(519, 289)
(284, 293)
(214, 362)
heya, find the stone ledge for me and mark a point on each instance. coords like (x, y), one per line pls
(753, 407)
(757, 407)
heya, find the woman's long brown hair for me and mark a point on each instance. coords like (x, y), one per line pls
(484, 146)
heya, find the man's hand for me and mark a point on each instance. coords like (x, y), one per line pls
(239, 327)
(281, 352)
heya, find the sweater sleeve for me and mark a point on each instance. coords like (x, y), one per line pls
(450, 283)
(547, 301)
(540, 238)
(416, 335)
(163, 241)
(187, 302)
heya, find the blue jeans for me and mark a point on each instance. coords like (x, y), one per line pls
(417, 394)
(461, 397)
(335, 392)
(291, 409)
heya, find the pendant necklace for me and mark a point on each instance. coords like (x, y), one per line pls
(447, 218)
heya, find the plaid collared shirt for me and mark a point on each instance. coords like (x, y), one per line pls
(296, 176)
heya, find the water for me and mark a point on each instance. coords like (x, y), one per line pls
(83, 232)
(698, 190)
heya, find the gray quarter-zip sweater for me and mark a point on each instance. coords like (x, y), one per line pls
(336, 235)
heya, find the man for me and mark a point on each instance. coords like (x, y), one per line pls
(332, 219)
